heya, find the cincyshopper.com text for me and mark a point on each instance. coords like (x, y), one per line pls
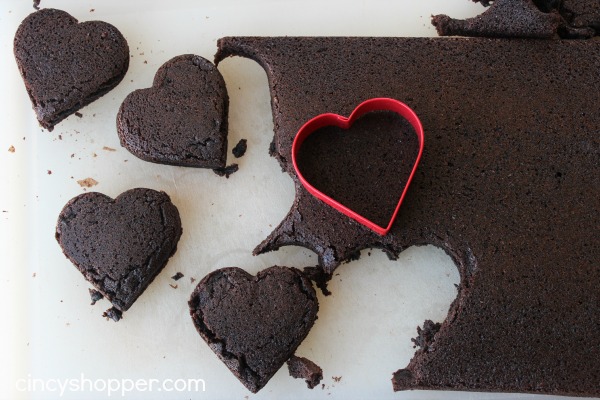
(110, 386)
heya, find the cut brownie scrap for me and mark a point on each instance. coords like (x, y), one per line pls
(240, 148)
(505, 18)
(303, 368)
(577, 19)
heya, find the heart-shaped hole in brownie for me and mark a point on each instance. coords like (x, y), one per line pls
(361, 165)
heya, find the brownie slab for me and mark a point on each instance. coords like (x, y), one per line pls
(66, 64)
(119, 245)
(254, 324)
(508, 185)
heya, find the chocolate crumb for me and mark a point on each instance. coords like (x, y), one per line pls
(95, 296)
(240, 149)
(87, 182)
(336, 378)
(92, 9)
(36, 4)
(34, 275)
(108, 148)
(319, 277)
(113, 313)
(192, 280)
(173, 286)
(300, 367)
(49, 172)
(59, 137)
(78, 114)
(11, 149)
(425, 337)
(177, 276)
(226, 171)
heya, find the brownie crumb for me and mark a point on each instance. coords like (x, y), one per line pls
(336, 378)
(11, 149)
(226, 171)
(425, 335)
(113, 313)
(177, 276)
(108, 148)
(78, 114)
(401, 379)
(34, 275)
(95, 296)
(192, 280)
(92, 9)
(49, 172)
(87, 182)
(36, 4)
(319, 277)
(240, 149)
(173, 286)
(302, 368)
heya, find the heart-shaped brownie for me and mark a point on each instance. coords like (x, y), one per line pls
(67, 65)
(119, 245)
(181, 119)
(362, 169)
(254, 324)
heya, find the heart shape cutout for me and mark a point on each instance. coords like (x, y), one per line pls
(65, 64)
(356, 164)
(119, 245)
(254, 324)
(181, 119)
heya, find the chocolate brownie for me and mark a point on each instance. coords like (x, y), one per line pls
(119, 245)
(181, 119)
(508, 185)
(67, 65)
(378, 135)
(303, 368)
(527, 18)
(505, 18)
(254, 324)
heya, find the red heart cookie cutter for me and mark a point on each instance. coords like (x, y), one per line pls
(329, 119)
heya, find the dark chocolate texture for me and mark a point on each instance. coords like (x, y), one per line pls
(508, 186)
(119, 245)
(65, 64)
(254, 324)
(182, 119)
(365, 167)
(303, 368)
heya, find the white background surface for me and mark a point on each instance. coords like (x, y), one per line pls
(49, 329)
